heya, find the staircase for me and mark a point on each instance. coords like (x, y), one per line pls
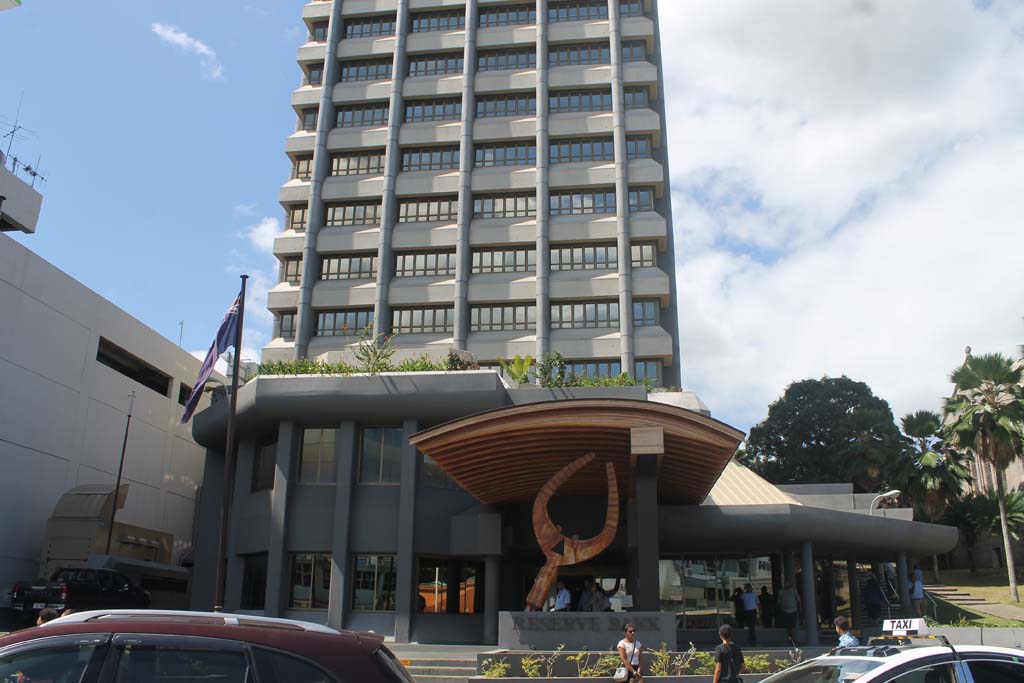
(956, 597)
(450, 669)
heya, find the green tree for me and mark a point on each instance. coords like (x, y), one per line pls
(980, 514)
(827, 430)
(985, 414)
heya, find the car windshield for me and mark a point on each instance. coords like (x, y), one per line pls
(825, 670)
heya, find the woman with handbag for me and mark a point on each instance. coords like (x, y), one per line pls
(630, 650)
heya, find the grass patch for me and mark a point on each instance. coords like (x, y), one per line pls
(957, 615)
(990, 584)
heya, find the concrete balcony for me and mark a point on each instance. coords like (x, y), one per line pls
(278, 349)
(644, 121)
(576, 31)
(500, 231)
(352, 187)
(289, 243)
(647, 172)
(641, 73)
(283, 297)
(652, 342)
(651, 282)
(584, 284)
(300, 142)
(424, 290)
(602, 342)
(504, 81)
(435, 41)
(356, 138)
(316, 11)
(580, 76)
(580, 124)
(648, 225)
(348, 238)
(436, 4)
(347, 93)
(312, 52)
(423, 235)
(637, 27)
(587, 228)
(505, 128)
(305, 97)
(344, 293)
(490, 346)
(498, 178)
(493, 287)
(426, 86)
(371, 46)
(506, 36)
(583, 173)
(294, 191)
(419, 183)
(350, 7)
(332, 349)
(430, 133)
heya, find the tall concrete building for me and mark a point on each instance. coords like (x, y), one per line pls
(486, 175)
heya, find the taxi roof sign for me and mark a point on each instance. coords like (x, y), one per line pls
(905, 627)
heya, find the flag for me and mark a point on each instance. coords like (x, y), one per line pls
(226, 335)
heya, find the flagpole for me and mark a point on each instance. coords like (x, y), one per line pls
(229, 458)
(120, 471)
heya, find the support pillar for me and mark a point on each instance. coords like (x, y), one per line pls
(810, 594)
(204, 572)
(853, 580)
(645, 588)
(543, 266)
(902, 579)
(236, 565)
(289, 441)
(492, 589)
(341, 563)
(405, 590)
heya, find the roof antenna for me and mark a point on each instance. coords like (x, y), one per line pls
(34, 172)
(16, 127)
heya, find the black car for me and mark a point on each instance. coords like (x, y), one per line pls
(79, 589)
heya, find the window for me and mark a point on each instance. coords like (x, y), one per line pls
(286, 325)
(435, 65)
(638, 147)
(380, 455)
(570, 101)
(291, 270)
(133, 367)
(433, 209)
(997, 672)
(184, 391)
(297, 218)
(366, 70)
(578, 315)
(585, 257)
(433, 110)
(579, 202)
(442, 581)
(496, 106)
(430, 159)
(316, 462)
(634, 51)
(373, 583)
(641, 199)
(150, 662)
(343, 323)
(505, 60)
(425, 263)
(311, 581)
(506, 154)
(362, 163)
(631, 8)
(587, 149)
(277, 666)
(351, 267)
(264, 464)
(646, 313)
(360, 115)
(577, 10)
(302, 167)
(368, 27)
(55, 659)
(649, 370)
(315, 74)
(520, 316)
(353, 213)
(936, 673)
(451, 20)
(522, 205)
(573, 55)
(254, 581)
(520, 260)
(422, 320)
(508, 16)
(636, 98)
(308, 119)
(318, 32)
(592, 369)
(644, 255)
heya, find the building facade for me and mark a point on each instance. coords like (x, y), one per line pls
(485, 175)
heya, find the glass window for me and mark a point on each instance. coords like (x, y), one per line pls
(363, 163)
(580, 202)
(585, 257)
(430, 159)
(361, 115)
(421, 263)
(573, 55)
(373, 583)
(512, 316)
(505, 60)
(315, 74)
(570, 101)
(351, 267)
(646, 313)
(506, 154)
(647, 370)
(577, 10)
(318, 32)
(291, 270)
(636, 98)
(593, 368)
(641, 199)
(631, 8)
(496, 106)
(365, 27)
(434, 65)
(380, 455)
(422, 320)
(308, 119)
(311, 581)
(366, 70)
(450, 20)
(52, 661)
(997, 672)
(286, 325)
(592, 314)
(634, 51)
(638, 147)
(513, 260)
(433, 110)
(278, 666)
(432, 209)
(343, 323)
(644, 255)
(141, 662)
(508, 16)
(585, 149)
(316, 463)
(522, 205)
(433, 585)
(254, 581)
(353, 213)
(297, 218)
(302, 167)
(263, 466)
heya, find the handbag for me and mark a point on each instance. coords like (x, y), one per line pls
(621, 674)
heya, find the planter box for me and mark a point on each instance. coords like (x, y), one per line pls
(747, 678)
(563, 669)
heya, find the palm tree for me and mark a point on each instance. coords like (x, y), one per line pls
(986, 414)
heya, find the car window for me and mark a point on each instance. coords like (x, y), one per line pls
(86, 576)
(277, 666)
(827, 670)
(997, 672)
(169, 664)
(121, 582)
(106, 581)
(49, 663)
(936, 673)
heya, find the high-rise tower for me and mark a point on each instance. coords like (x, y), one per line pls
(488, 175)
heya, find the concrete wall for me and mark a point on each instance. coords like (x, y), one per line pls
(20, 209)
(63, 413)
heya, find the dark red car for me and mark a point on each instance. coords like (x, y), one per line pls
(143, 646)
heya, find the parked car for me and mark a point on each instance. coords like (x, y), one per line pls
(131, 646)
(79, 589)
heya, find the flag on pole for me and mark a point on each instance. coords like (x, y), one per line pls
(226, 336)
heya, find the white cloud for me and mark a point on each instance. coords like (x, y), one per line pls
(212, 68)
(846, 193)
(262, 234)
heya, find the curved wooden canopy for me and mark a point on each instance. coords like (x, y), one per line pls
(508, 454)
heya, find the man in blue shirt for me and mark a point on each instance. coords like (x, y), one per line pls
(846, 639)
(562, 598)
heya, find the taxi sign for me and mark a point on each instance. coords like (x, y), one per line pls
(905, 627)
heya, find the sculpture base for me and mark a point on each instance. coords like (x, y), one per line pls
(594, 631)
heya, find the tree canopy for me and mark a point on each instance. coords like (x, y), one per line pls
(828, 430)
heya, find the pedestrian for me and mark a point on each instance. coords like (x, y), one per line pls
(788, 601)
(916, 585)
(750, 605)
(767, 607)
(846, 639)
(600, 602)
(630, 651)
(46, 614)
(562, 598)
(728, 658)
(737, 606)
(587, 596)
(873, 600)
(67, 613)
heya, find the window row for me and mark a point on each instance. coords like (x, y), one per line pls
(369, 27)
(448, 20)
(425, 263)
(351, 267)
(597, 149)
(434, 65)
(418, 111)
(344, 323)
(422, 320)
(522, 316)
(506, 154)
(365, 70)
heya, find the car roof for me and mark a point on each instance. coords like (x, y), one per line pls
(187, 616)
(897, 655)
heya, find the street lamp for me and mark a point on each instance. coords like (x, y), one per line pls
(888, 494)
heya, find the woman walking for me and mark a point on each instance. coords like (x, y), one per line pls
(630, 650)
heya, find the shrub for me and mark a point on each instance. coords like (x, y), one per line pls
(532, 666)
(495, 668)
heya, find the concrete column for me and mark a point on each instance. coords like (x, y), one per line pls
(647, 552)
(305, 322)
(289, 441)
(236, 565)
(810, 597)
(626, 354)
(341, 564)
(902, 578)
(467, 160)
(405, 593)
(543, 188)
(853, 582)
(492, 589)
(204, 573)
(392, 163)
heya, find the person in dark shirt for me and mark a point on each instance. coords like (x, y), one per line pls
(728, 658)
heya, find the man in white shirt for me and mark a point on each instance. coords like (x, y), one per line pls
(750, 605)
(562, 598)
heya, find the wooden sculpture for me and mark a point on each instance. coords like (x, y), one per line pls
(550, 536)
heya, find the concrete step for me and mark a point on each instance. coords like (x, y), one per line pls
(430, 661)
(439, 679)
(418, 670)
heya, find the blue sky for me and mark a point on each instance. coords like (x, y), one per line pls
(846, 176)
